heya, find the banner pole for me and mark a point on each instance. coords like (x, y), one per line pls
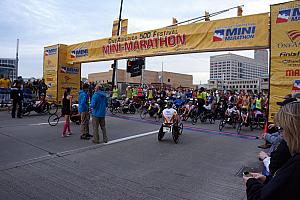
(115, 66)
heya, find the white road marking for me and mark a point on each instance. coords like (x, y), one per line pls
(109, 143)
(45, 123)
(130, 137)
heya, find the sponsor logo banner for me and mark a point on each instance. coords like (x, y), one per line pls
(69, 70)
(285, 54)
(289, 13)
(247, 32)
(81, 52)
(237, 32)
(50, 70)
(50, 51)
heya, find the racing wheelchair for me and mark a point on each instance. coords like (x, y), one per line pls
(232, 119)
(170, 127)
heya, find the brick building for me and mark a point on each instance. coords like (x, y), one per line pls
(150, 77)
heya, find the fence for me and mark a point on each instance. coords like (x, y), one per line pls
(5, 96)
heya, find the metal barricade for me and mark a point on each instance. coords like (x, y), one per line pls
(5, 97)
(27, 95)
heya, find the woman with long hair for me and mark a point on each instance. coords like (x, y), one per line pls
(285, 181)
(66, 111)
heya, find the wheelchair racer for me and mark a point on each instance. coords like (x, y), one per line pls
(231, 112)
(245, 114)
(170, 115)
(153, 109)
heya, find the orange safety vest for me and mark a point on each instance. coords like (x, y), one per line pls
(140, 92)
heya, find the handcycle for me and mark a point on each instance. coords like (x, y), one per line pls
(42, 107)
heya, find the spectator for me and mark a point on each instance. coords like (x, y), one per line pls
(83, 109)
(4, 90)
(98, 106)
(66, 111)
(42, 87)
(285, 183)
(17, 97)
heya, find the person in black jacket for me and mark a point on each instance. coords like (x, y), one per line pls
(17, 98)
(285, 183)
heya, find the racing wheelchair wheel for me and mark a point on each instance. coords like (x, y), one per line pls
(53, 120)
(175, 134)
(221, 125)
(26, 111)
(239, 128)
(180, 127)
(212, 120)
(161, 134)
(113, 110)
(194, 120)
(143, 113)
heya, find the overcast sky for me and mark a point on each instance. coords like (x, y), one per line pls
(38, 23)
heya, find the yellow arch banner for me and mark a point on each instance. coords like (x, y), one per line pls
(237, 33)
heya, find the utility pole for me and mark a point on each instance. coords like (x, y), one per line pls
(115, 65)
(17, 58)
(162, 75)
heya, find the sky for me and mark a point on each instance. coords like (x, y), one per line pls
(39, 23)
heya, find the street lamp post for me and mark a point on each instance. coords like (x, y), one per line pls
(115, 65)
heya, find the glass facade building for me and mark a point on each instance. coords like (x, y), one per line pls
(9, 66)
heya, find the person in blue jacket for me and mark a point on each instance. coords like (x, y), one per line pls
(98, 106)
(83, 109)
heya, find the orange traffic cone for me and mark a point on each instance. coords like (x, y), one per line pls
(265, 129)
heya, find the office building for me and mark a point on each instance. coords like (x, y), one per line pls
(234, 67)
(9, 66)
(169, 79)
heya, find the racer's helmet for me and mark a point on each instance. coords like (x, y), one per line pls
(178, 97)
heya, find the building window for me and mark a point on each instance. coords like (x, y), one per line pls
(169, 80)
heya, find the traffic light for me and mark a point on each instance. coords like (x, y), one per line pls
(129, 66)
(206, 16)
(112, 65)
(174, 21)
(135, 66)
(239, 11)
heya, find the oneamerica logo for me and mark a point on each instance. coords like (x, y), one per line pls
(76, 53)
(69, 70)
(291, 14)
(50, 51)
(238, 32)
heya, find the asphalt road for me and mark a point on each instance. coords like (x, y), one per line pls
(36, 163)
